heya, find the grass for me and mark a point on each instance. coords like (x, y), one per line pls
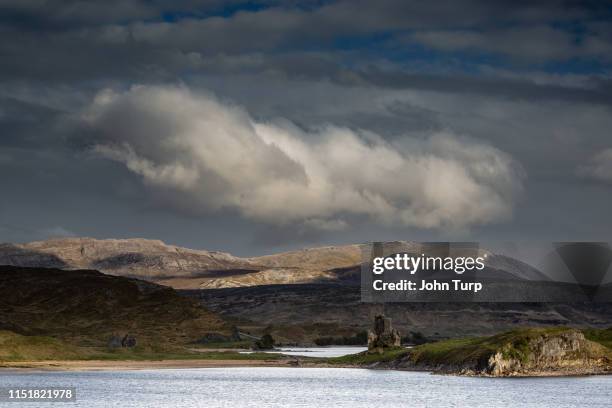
(368, 358)
(136, 355)
(454, 351)
(16, 347)
(477, 350)
(473, 351)
(243, 344)
(601, 336)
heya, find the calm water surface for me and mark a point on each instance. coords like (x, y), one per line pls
(311, 387)
(334, 351)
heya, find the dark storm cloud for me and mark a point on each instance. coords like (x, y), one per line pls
(24, 124)
(59, 15)
(514, 88)
(77, 42)
(528, 80)
(536, 43)
(50, 38)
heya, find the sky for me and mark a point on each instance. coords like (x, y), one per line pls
(255, 127)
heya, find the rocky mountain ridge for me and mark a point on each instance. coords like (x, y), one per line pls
(152, 258)
(179, 267)
(184, 268)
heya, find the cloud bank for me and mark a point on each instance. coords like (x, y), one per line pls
(200, 154)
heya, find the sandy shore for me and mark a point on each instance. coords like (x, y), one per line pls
(103, 365)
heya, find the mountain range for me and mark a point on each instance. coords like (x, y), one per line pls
(183, 268)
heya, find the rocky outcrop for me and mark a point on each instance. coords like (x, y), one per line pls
(210, 338)
(522, 352)
(566, 352)
(265, 343)
(127, 341)
(383, 335)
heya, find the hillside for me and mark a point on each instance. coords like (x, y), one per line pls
(180, 267)
(15, 347)
(86, 308)
(302, 313)
(150, 259)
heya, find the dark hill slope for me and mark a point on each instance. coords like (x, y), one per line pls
(87, 307)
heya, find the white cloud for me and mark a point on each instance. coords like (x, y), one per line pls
(599, 166)
(202, 154)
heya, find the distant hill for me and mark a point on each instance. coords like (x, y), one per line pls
(180, 267)
(87, 307)
(183, 268)
(149, 259)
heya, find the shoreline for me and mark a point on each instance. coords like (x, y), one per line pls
(138, 365)
(114, 365)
